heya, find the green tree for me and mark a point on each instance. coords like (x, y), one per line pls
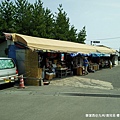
(61, 25)
(38, 26)
(23, 16)
(72, 34)
(34, 20)
(7, 13)
(82, 36)
(49, 24)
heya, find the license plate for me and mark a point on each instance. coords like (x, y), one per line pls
(7, 80)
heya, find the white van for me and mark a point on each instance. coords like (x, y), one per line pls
(8, 70)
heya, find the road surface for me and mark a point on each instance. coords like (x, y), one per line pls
(63, 102)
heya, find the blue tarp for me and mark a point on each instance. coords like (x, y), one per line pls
(91, 54)
(99, 55)
(12, 52)
(81, 54)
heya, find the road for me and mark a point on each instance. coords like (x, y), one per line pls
(109, 75)
(63, 102)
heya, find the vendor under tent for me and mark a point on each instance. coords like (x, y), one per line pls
(51, 44)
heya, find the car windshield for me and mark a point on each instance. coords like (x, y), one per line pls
(6, 64)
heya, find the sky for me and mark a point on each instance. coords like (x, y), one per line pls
(101, 18)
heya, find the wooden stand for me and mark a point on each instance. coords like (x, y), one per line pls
(79, 71)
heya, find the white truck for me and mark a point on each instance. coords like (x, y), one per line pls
(8, 70)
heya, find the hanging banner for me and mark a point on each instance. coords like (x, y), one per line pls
(62, 57)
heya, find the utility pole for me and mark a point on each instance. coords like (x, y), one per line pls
(91, 42)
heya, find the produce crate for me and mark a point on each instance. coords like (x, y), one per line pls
(79, 71)
(49, 76)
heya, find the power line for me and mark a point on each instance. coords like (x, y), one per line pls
(104, 38)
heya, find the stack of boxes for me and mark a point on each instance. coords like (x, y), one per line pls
(33, 73)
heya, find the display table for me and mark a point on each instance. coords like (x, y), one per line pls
(61, 72)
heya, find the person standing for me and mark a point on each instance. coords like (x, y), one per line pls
(110, 64)
(85, 64)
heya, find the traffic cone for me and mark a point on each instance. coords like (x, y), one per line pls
(21, 85)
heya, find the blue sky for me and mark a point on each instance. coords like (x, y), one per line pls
(101, 18)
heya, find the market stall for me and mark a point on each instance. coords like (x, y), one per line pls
(48, 58)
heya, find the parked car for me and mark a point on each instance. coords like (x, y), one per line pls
(8, 70)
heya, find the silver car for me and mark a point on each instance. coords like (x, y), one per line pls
(8, 70)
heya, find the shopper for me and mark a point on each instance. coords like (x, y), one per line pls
(110, 64)
(85, 64)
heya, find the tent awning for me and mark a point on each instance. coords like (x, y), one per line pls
(50, 44)
(59, 45)
(104, 50)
